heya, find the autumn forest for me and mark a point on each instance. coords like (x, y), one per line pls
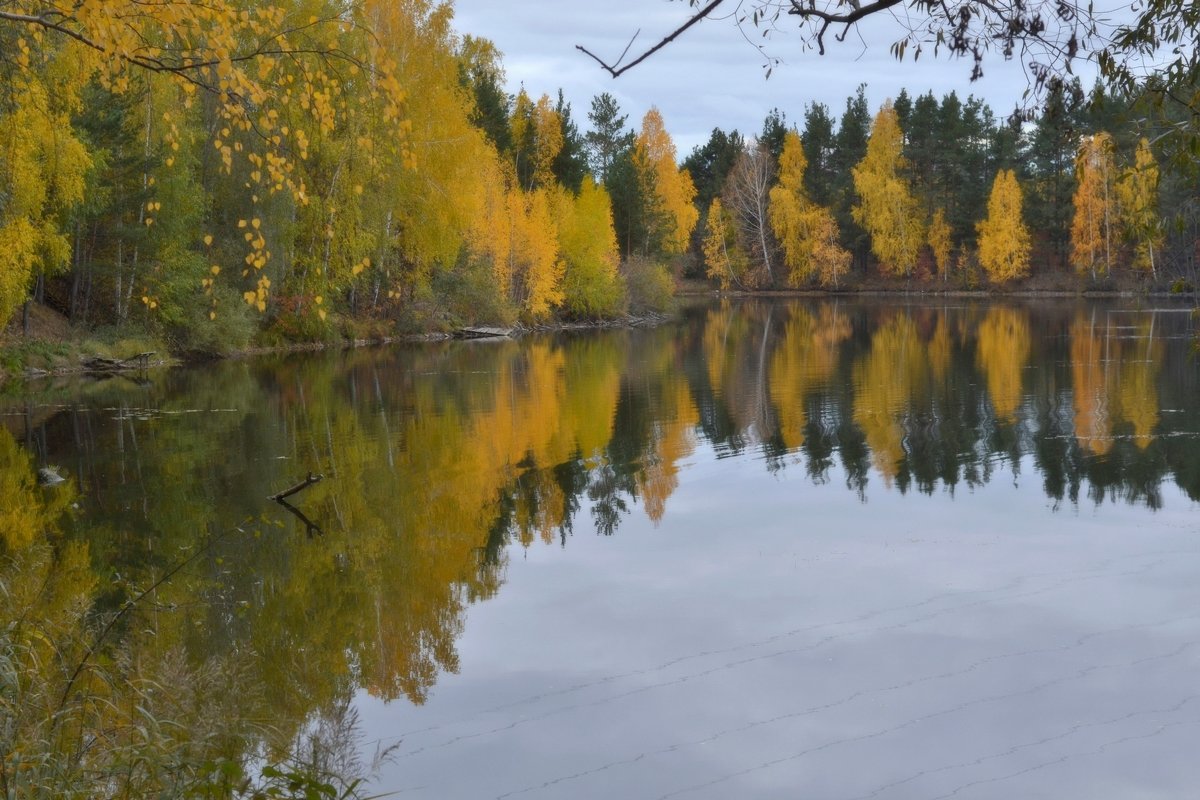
(814, 447)
(334, 171)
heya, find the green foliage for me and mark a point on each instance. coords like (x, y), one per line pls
(608, 138)
(468, 296)
(850, 146)
(710, 164)
(650, 285)
(81, 724)
(482, 74)
(630, 196)
(129, 197)
(1049, 164)
(818, 141)
(774, 130)
(570, 166)
(295, 321)
(229, 329)
(592, 287)
(191, 322)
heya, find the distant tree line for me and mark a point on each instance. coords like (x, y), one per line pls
(944, 190)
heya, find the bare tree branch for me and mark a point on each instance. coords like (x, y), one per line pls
(616, 71)
(800, 10)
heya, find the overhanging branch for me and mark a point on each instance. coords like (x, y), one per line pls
(860, 11)
(615, 70)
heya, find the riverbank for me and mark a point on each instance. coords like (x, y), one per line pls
(46, 345)
(1049, 285)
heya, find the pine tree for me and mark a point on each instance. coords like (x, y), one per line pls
(709, 164)
(570, 166)
(774, 130)
(481, 73)
(1050, 164)
(608, 137)
(818, 141)
(850, 145)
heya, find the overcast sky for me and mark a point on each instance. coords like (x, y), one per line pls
(711, 76)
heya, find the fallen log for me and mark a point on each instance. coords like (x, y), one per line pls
(106, 364)
(301, 486)
(483, 332)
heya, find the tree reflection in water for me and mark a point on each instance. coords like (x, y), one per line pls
(442, 460)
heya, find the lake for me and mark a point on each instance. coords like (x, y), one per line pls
(824, 549)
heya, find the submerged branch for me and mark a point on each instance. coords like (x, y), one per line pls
(302, 485)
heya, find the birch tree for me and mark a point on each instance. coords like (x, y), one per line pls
(887, 209)
(1003, 238)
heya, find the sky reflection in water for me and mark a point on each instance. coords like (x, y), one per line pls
(857, 549)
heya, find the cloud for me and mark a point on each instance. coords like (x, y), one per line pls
(712, 76)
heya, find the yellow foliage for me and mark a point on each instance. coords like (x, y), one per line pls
(724, 259)
(537, 132)
(887, 210)
(491, 236)
(1093, 414)
(885, 383)
(270, 102)
(1138, 389)
(806, 232)
(672, 187)
(803, 363)
(42, 169)
(543, 267)
(1003, 238)
(1095, 206)
(588, 243)
(27, 512)
(674, 439)
(438, 202)
(1004, 345)
(531, 265)
(1137, 194)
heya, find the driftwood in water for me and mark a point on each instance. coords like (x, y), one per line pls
(105, 364)
(483, 332)
(311, 528)
(302, 485)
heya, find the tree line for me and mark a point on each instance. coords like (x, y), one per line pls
(945, 191)
(307, 168)
(299, 165)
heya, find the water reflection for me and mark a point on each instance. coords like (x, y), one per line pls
(443, 460)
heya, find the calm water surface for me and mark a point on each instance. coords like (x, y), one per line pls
(786, 549)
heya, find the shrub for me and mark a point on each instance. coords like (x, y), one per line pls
(649, 285)
(469, 295)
